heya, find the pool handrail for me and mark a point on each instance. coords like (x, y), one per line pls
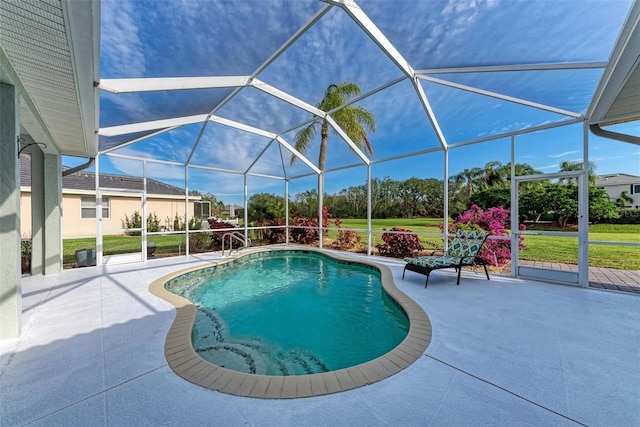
(237, 236)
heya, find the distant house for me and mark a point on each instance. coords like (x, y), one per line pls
(121, 195)
(233, 210)
(618, 183)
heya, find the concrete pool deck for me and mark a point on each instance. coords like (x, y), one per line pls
(503, 352)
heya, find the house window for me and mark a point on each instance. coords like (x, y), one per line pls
(636, 189)
(88, 207)
(202, 209)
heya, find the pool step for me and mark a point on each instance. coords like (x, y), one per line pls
(251, 355)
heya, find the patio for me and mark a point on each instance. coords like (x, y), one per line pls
(504, 352)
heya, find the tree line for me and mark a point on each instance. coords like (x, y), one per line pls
(424, 197)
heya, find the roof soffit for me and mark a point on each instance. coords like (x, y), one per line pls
(48, 49)
(617, 98)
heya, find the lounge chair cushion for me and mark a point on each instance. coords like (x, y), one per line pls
(466, 243)
(462, 251)
(434, 262)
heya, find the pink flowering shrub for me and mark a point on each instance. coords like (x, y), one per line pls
(497, 222)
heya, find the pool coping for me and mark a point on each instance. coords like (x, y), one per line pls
(184, 361)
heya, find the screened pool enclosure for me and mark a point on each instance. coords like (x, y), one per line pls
(208, 96)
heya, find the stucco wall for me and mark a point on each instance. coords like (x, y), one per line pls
(614, 192)
(73, 225)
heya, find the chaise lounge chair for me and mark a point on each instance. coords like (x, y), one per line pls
(463, 251)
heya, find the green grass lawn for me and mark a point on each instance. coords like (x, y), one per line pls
(427, 225)
(565, 249)
(120, 244)
(539, 248)
(412, 223)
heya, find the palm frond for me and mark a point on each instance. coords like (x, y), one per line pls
(349, 90)
(303, 139)
(355, 121)
(365, 118)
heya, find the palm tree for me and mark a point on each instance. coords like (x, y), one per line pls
(491, 175)
(355, 121)
(468, 178)
(568, 165)
(624, 199)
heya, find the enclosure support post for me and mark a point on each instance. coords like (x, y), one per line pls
(286, 211)
(246, 212)
(515, 235)
(369, 209)
(143, 222)
(186, 210)
(583, 214)
(99, 246)
(445, 191)
(320, 201)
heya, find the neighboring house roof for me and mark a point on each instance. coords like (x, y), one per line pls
(616, 179)
(87, 181)
(233, 205)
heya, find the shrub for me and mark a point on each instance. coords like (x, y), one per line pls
(304, 235)
(134, 222)
(308, 235)
(497, 222)
(491, 197)
(399, 245)
(347, 239)
(626, 216)
(179, 224)
(195, 224)
(274, 235)
(199, 242)
(25, 256)
(216, 236)
(601, 209)
(153, 223)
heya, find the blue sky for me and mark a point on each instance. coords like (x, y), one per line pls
(225, 38)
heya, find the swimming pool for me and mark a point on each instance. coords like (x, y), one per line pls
(282, 317)
(291, 313)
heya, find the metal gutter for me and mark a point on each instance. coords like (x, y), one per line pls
(597, 130)
(88, 164)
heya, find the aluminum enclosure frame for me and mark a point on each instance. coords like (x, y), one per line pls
(358, 16)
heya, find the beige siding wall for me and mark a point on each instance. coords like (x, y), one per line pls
(25, 214)
(73, 225)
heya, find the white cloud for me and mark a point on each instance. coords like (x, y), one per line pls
(122, 51)
(547, 167)
(566, 153)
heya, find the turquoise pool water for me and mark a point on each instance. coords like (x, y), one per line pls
(290, 313)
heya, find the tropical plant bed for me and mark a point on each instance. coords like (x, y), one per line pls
(538, 248)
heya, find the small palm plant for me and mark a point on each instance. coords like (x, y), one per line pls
(624, 199)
